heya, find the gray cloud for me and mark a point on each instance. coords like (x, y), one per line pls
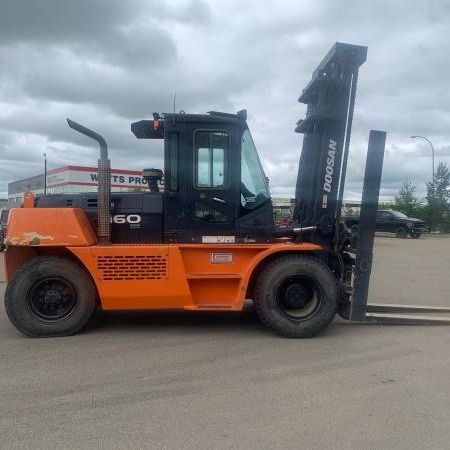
(66, 21)
(108, 63)
(61, 21)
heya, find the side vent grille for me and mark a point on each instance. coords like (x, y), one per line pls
(148, 267)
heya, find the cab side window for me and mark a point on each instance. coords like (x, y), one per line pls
(211, 159)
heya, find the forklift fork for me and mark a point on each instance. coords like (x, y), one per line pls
(406, 314)
(358, 309)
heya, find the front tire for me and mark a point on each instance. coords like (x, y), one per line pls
(50, 296)
(401, 232)
(296, 296)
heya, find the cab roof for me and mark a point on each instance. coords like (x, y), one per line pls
(154, 129)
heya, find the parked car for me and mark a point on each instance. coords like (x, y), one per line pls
(3, 219)
(391, 222)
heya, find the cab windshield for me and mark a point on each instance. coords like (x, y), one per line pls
(254, 186)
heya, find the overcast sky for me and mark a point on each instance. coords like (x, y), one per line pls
(107, 63)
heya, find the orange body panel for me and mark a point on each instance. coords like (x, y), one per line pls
(16, 257)
(153, 276)
(39, 231)
(49, 227)
(184, 276)
(135, 276)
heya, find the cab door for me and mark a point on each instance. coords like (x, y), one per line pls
(212, 183)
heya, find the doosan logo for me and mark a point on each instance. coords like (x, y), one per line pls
(330, 166)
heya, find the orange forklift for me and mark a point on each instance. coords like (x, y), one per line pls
(209, 241)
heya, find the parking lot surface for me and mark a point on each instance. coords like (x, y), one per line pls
(206, 381)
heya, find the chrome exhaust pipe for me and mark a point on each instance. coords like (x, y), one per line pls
(104, 183)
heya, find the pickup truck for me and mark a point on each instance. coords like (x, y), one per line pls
(391, 222)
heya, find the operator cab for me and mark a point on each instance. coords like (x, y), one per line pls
(215, 186)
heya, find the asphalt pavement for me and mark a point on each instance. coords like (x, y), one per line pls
(222, 381)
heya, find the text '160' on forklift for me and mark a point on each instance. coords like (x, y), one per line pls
(209, 241)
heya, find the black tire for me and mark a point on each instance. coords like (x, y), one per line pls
(354, 230)
(296, 296)
(50, 296)
(416, 235)
(401, 232)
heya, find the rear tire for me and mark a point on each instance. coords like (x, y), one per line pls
(296, 296)
(50, 296)
(401, 232)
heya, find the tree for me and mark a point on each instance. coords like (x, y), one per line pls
(385, 205)
(438, 198)
(406, 201)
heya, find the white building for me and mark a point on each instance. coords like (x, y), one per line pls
(74, 179)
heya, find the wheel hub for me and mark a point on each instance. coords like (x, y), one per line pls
(296, 296)
(52, 299)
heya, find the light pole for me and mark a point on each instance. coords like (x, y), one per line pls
(45, 173)
(432, 154)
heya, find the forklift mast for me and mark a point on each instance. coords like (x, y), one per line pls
(330, 98)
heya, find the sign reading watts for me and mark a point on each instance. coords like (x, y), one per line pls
(126, 179)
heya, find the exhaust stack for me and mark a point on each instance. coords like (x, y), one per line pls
(104, 183)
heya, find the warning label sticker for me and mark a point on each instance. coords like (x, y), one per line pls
(221, 258)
